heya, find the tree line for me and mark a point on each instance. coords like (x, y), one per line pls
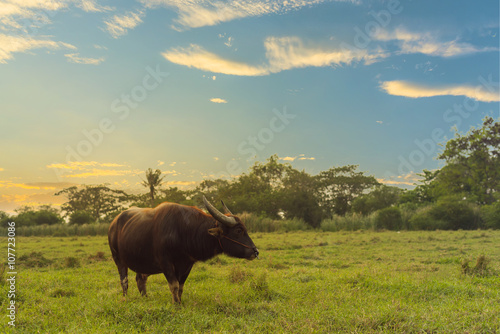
(463, 194)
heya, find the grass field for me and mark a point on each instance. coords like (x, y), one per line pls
(304, 282)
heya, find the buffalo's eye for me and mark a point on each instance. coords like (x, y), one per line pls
(239, 230)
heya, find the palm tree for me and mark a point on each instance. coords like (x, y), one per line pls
(153, 180)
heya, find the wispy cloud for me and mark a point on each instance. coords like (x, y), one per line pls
(409, 179)
(217, 100)
(28, 15)
(97, 172)
(195, 14)
(181, 183)
(285, 53)
(92, 6)
(87, 169)
(428, 43)
(119, 25)
(14, 44)
(75, 58)
(197, 57)
(299, 157)
(81, 165)
(412, 90)
(282, 53)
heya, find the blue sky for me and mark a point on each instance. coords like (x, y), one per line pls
(98, 91)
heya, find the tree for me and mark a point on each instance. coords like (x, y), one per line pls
(261, 190)
(380, 197)
(4, 219)
(80, 218)
(153, 181)
(300, 197)
(99, 200)
(45, 215)
(473, 163)
(339, 186)
(174, 195)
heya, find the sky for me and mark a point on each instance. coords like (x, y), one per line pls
(96, 91)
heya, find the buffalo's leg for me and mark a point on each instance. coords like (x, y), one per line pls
(183, 277)
(173, 282)
(141, 283)
(123, 270)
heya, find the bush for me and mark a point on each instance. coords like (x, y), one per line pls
(349, 222)
(80, 218)
(388, 218)
(424, 220)
(255, 223)
(491, 215)
(446, 215)
(41, 217)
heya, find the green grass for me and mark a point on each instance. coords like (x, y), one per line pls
(304, 282)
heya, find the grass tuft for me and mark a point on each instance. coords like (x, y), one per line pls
(34, 260)
(238, 275)
(480, 268)
(71, 262)
(58, 293)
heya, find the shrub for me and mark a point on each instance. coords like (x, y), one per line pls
(446, 215)
(491, 215)
(349, 222)
(457, 215)
(388, 218)
(80, 218)
(255, 223)
(424, 220)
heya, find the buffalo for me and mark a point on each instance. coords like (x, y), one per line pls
(170, 238)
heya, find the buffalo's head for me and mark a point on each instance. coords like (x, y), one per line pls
(232, 233)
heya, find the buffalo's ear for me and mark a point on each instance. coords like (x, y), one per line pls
(216, 232)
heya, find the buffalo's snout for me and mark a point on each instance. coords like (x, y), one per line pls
(255, 254)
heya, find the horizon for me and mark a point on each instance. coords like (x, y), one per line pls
(96, 92)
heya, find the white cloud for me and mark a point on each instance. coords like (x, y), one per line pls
(75, 58)
(13, 44)
(217, 100)
(427, 43)
(282, 53)
(28, 15)
(92, 6)
(197, 57)
(229, 42)
(195, 14)
(285, 53)
(408, 89)
(119, 25)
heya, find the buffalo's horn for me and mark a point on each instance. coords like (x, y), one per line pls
(226, 210)
(229, 221)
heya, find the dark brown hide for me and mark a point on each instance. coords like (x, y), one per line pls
(169, 239)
